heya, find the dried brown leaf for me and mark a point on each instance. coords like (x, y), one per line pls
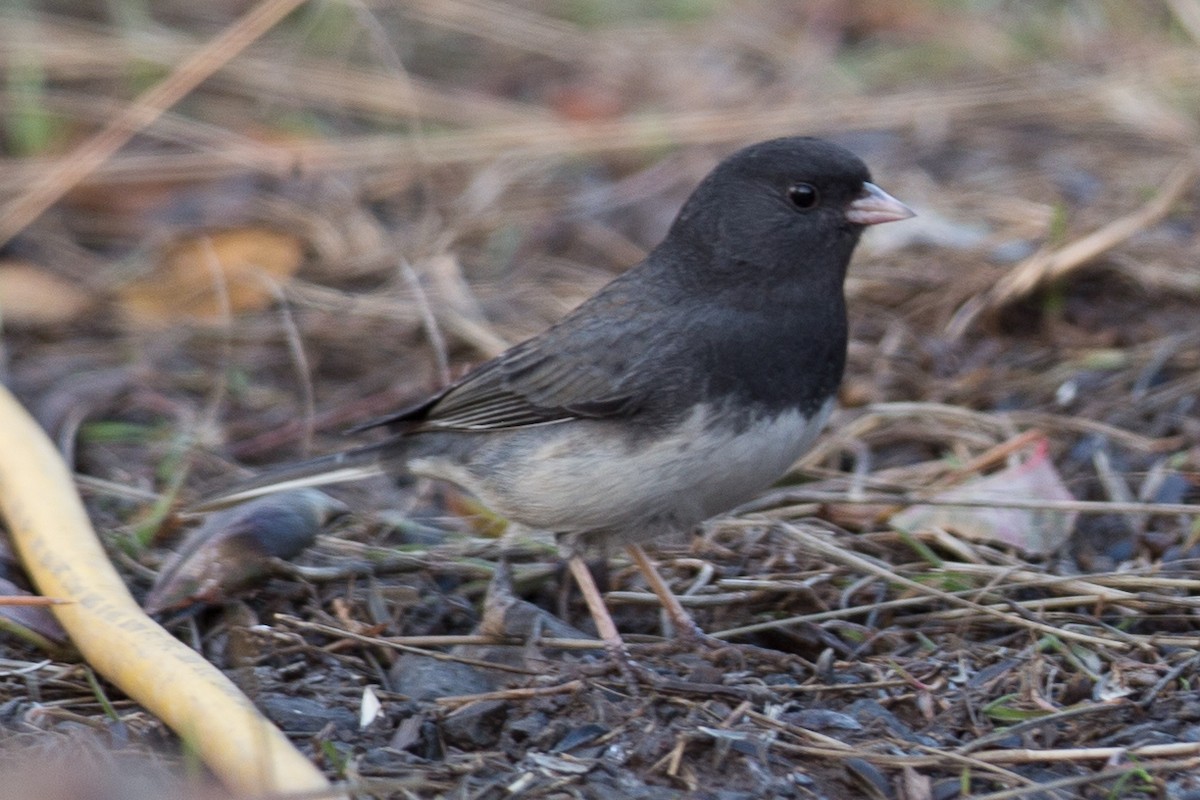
(243, 264)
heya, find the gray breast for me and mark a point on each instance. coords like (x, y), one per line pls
(591, 477)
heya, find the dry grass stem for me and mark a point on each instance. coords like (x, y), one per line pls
(907, 499)
(1055, 264)
(511, 694)
(49, 186)
(816, 544)
(339, 633)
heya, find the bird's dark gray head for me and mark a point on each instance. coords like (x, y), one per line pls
(783, 204)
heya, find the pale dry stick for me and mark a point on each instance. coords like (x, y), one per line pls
(544, 139)
(390, 565)
(341, 633)
(1109, 581)
(775, 585)
(67, 51)
(1039, 722)
(960, 549)
(1186, 666)
(1027, 756)
(9, 668)
(373, 92)
(880, 759)
(912, 499)
(705, 572)
(800, 732)
(401, 309)
(1116, 488)
(99, 486)
(995, 758)
(1043, 789)
(689, 600)
(876, 415)
(224, 312)
(295, 343)
(1045, 603)
(433, 331)
(960, 760)
(315, 84)
(1159, 640)
(31, 600)
(1097, 586)
(999, 423)
(837, 749)
(1133, 441)
(1050, 265)
(375, 305)
(478, 334)
(508, 25)
(672, 760)
(1038, 605)
(816, 544)
(85, 108)
(451, 640)
(993, 456)
(143, 111)
(819, 616)
(734, 716)
(220, 386)
(475, 554)
(851, 688)
(1036, 582)
(524, 693)
(655, 129)
(72, 49)
(1144, 583)
(458, 308)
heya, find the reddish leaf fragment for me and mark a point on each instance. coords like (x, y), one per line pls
(1032, 531)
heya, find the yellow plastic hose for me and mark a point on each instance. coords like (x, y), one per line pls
(63, 557)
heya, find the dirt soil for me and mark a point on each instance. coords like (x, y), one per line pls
(425, 185)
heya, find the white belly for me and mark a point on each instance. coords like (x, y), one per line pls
(579, 477)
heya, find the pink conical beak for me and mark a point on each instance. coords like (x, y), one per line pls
(875, 205)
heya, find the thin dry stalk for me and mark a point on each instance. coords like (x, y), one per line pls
(341, 633)
(26, 600)
(66, 173)
(818, 545)
(688, 600)
(917, 498)
(1027, 756)
(511, 694)
(1044, 788)
(1053, 265)
(556, 139)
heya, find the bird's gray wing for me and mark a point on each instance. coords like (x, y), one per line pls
(592, 364)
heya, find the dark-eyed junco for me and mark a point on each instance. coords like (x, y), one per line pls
(681, 389)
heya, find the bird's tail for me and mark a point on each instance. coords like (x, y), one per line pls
(348, 465)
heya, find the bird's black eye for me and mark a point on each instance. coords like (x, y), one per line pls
(803, 196)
